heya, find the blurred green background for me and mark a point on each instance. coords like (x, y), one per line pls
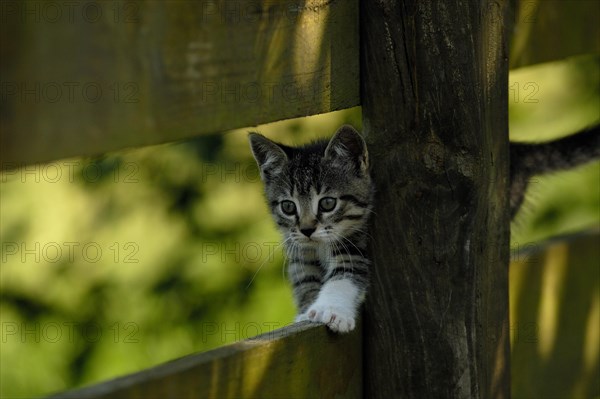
(118, 263)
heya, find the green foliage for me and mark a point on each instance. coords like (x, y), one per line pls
(138, 257)
(554, 295)
(545, 102)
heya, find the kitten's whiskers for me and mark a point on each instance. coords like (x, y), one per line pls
(265, 261)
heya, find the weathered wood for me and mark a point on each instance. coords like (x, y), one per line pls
(434, 80)
(551, 30)
(554, 313)
(83, 78)
(298, 361)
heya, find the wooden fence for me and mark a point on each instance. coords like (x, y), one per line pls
(135, 73)
(432, 79)
(307, 361)
(299, 361)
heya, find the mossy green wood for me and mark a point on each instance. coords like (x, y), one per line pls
(300, 361)
(134, 73)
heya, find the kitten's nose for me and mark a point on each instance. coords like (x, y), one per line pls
(307, 232)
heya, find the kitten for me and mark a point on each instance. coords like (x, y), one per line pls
(321, 196)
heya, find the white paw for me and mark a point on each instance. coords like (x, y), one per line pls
(337, 318)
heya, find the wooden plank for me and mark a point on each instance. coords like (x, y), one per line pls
(83, 78)
(550, 30)
(434, 78)
(555, 318)
(299, 361)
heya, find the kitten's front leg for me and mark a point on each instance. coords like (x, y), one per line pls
(306, 276)
(342, 293)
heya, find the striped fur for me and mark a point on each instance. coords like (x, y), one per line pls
(328, 264)
(531, 159)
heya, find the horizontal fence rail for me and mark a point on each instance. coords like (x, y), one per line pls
(81, 78)
(305, 360)
(302, 360)
(102, 76)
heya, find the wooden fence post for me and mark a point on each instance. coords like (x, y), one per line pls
(434, 79)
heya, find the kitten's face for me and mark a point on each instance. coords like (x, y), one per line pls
(318, 193)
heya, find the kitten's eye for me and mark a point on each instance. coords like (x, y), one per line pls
(327, 204)
(288, 207)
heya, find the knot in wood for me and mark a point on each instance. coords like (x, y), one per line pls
(434, 157)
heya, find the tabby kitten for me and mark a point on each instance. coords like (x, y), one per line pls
(320, 196)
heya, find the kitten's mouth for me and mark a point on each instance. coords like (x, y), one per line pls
(302, 239)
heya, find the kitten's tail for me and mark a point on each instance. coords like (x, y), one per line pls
(565, 153)
(529, 159)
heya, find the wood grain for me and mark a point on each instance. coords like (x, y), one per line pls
(299, 361)
(434, 94)
(84, 78)
(552, 30)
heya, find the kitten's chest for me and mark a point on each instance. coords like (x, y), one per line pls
(314, 260)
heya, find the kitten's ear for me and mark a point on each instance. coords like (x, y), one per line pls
(269, 156)
(348, 145)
